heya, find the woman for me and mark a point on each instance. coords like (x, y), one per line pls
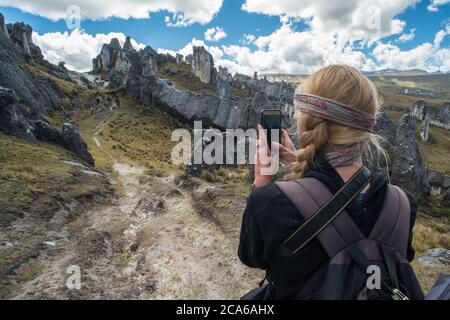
(333, 145)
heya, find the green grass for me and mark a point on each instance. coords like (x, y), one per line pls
(436, 149)
(184, 79)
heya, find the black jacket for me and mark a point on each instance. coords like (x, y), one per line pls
(270, 218)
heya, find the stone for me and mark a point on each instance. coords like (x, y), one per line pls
(172, 70)
(223, 89)
(3, 30)
(439, 115)
(149, 61)
(255, 75)
(408, 168)
(127, 46)
(224, 74)
(72, 140)
(179, 58)
(203, 65)
(46, 132)
(425, 128)
(436, 257)
(12, 120)
(188, 59)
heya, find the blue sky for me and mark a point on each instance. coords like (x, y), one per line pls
(284, 38)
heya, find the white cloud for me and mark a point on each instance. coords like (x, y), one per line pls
(427, 56)
(77, 48)
(405, 37)
(185, 12)
(248, 39)
(355, 19)
(434, 4)
(214, 34)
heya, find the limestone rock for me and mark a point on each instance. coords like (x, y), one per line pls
(224, 74)
(149, 61)
(425, 128)
(72, 140)
(223, 89)
(408, 168)
(439, 115)
(436, 257)
(203, 65)
(127, 46)
(179, 58)
(12, 120)
(188, 59)
(46, 132)
(3, 30)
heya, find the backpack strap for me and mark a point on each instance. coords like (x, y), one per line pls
(392, 225)
(336, 235)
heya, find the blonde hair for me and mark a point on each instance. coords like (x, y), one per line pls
(346, 85)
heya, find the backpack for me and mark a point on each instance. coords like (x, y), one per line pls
(359, 267)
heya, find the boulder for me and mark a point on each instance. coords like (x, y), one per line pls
(203, 65)
(12, 120)
(46, 132)
(436, 257)
(72, 140)
(408, 168)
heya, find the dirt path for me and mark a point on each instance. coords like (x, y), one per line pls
(149, 244)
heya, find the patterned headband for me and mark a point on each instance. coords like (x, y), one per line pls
(334, 111)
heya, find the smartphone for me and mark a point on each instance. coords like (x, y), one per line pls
(271, 120)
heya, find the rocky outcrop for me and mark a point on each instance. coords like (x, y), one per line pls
(439, 184)
(3, 30)
(408, 168)
(224, 74)
(436, 257)
(12, 120)
(179, 58)
(223, 89)
(72, 140)
(439, 116)
(188, 59)
(21, 33)
(425, 128)
(36, 93)
(203, 65)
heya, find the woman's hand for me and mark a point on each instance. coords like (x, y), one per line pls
(262, 149)
(286, 149)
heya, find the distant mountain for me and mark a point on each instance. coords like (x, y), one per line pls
(395, 72)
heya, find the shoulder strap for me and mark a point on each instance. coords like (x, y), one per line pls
(324, 213)
(392, 225)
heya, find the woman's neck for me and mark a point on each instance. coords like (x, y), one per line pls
(346, 172)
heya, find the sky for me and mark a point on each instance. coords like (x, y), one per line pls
(282, 36)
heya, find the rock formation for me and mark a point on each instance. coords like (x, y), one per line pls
(179, 58)
(203, 65)
(223, 89)
(72, 140)
(425, 128)
(188, 59)
(439, 116)
(225, 74)
(439, 184)
(408, 168)
(3, 30)
(12, 120)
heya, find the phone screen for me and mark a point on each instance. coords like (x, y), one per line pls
(271, 120)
